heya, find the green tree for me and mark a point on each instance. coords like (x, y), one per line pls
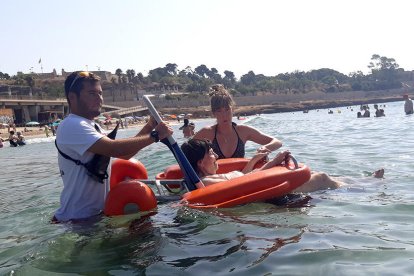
(30, 81)
(202, 71)
(384, 72)
(229, 79)
(171, 68)
(248, 79)
(118, 72)
(4, 76)
(130, 74)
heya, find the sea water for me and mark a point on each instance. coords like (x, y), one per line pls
(364, 228)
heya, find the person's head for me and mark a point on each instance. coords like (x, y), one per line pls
(84, 94)
(359, 115)
(221, 103)
(379, 173)
(11, 132)
(18, 133)
(201, 156)
(186, 121)
(405, 96)
(375, 106)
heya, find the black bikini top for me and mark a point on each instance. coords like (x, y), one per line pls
(238, 153)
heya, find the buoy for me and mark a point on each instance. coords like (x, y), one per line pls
(128, 197)
(122, 170)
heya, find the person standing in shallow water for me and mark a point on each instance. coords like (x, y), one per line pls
(408, 105)
(12, 139)
(83, 196)
(187, 128)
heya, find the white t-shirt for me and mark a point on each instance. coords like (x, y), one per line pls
(82, 196)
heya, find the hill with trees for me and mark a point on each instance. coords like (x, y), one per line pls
(384, 74)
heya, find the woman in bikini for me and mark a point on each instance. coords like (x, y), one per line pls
(229, 139)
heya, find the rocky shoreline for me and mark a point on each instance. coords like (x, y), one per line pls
(204, 111)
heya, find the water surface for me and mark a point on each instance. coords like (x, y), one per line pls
(363, 228)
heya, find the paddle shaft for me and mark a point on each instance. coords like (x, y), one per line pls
(192, 180)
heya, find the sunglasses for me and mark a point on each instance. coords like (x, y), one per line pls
(82, 74)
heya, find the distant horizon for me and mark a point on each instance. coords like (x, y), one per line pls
(266, 37)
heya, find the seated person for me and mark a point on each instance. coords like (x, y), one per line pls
(203, 160)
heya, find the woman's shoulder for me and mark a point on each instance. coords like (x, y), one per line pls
(206, 132)
(245, 130)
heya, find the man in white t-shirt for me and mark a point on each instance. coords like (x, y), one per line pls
(79, 139)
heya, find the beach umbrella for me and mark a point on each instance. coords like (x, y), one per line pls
(33, 123)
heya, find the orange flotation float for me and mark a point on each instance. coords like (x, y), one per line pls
(256, 186)
(128, 195)
(134, 195)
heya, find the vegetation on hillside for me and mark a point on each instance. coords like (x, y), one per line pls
(384, 74)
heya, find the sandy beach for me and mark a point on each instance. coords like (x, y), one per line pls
(36, 132)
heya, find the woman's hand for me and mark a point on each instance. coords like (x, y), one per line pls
(280, 157)
(253, 161)
(263, 149)
(259, 156)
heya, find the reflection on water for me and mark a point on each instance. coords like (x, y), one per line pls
(364, 228)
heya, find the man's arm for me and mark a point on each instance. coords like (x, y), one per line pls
(128, 147)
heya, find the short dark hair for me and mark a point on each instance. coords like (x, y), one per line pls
(195, 150)
(74, 82)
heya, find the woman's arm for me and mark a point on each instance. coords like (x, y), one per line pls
(267, 142)
(252, 162)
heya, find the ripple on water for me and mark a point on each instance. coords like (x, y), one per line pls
(363, 228)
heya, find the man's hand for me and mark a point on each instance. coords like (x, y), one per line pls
(164, 130)
(152, 123)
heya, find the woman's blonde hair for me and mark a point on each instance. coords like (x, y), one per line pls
(220, 97)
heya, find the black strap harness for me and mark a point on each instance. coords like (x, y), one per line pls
(98, 165)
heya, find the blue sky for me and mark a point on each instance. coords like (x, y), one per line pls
(267, 37)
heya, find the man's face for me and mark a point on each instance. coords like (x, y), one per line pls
(89, 102)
